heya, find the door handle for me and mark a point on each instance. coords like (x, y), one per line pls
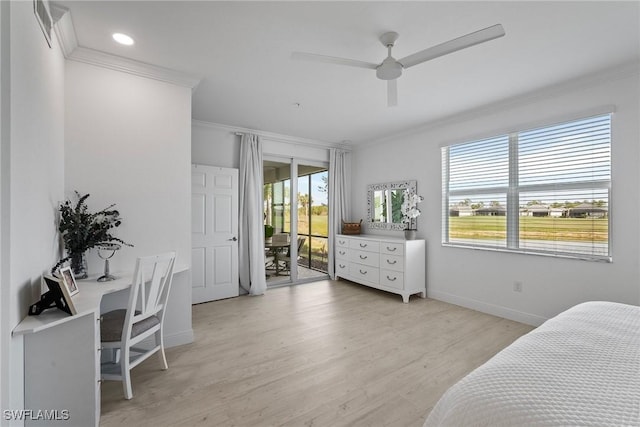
(233, 240)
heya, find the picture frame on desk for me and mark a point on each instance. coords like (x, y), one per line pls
(69, 280)
(57, 296)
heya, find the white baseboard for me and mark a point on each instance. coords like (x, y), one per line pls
(496, 310)
(179, 338)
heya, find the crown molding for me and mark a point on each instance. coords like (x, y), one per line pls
(271, 136)
(66, 34)
(137, 68)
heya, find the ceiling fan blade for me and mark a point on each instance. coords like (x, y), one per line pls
(451, 46)
(392, 93)
(333, 60)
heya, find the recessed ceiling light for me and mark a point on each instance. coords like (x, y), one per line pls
(123, 39)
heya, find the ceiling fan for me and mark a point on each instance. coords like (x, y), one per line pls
(390, 69)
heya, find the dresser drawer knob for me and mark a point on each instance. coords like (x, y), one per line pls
(363, 245)
(391, 279)
(342, 242)
(391, 249)
(341, 266)
(342, 252)
(389, 262)
(363, 272)
(363, 257)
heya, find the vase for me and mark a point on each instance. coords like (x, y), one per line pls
(79, 265)
(410, 234)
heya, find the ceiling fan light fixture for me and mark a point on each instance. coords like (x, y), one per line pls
(390, 69)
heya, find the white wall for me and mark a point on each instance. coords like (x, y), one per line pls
(215, 146)
(218, 145)
(483, 280)
(5, 285)
(128, 142)
(32, 172)
(5, 288)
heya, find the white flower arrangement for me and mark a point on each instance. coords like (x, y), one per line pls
(410, 209)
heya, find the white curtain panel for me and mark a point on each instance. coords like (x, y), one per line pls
(251, 221)
(339, 179)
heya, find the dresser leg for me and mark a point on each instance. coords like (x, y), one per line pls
(405, 299)
(423, 294)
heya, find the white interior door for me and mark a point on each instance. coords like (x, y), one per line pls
(214, 231)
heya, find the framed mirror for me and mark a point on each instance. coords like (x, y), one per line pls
(384, 203)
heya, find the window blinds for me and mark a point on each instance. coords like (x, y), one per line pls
(544, 190)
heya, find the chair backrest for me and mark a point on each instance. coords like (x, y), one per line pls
(280, 238)
(301, 241)
(150, 289)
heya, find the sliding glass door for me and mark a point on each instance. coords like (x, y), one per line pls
(296, 243)
(313, 216)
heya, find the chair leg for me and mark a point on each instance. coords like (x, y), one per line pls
(160, 341)
(126, 373)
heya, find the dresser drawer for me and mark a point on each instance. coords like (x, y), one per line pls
(366, 258)
(342, 253)
(364, 272)
(342, 242)
(392, 262)
(392, 279)
(342, 268)
(391, 248)
(365, 245)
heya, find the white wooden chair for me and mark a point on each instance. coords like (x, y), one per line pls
(122, 329)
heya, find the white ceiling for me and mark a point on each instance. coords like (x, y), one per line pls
(242, 50)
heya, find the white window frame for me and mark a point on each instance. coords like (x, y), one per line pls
(513, 190)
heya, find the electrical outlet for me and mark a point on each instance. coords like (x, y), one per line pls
(517, 286)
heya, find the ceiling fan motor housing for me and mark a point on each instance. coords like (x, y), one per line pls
(390, 69)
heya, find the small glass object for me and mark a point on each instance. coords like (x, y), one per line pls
(106, 250)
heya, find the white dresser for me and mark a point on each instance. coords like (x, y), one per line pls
(391, 264)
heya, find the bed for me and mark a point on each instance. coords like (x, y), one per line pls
(580, 368)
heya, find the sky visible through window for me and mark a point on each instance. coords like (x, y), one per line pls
(573, 152)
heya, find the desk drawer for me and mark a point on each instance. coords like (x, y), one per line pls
(365, 245)
(392, 248)
(366, 258)
(364, 272)
(392, 279)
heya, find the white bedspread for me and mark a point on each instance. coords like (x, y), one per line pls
(581, 368)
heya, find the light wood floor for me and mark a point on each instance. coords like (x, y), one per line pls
(321, 354)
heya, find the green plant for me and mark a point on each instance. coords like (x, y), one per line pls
(82, 230)
(268, 231)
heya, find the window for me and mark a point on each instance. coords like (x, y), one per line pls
(543, 190)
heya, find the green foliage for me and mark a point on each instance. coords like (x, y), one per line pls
(533, 228)
(82, 230)
(320, 210)
(397, 197)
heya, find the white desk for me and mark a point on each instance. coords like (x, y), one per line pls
(62, 356)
